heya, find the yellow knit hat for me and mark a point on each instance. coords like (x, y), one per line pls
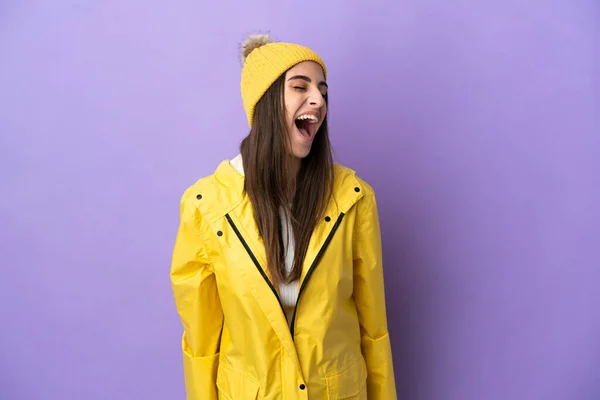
(264, 62)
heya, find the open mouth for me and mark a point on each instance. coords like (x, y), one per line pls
(307, 125)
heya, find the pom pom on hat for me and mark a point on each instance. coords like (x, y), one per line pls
(253, 42)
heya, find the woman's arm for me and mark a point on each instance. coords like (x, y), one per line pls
(198, 305)
(370, 299)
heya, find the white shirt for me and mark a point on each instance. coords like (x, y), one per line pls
(288, 293)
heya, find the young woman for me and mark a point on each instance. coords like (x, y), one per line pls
(276, 268)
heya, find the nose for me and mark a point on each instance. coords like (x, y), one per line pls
(316, 98)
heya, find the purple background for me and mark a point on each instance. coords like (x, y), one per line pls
(477, 124)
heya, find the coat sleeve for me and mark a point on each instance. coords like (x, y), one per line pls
(370, 299)
(198, 305)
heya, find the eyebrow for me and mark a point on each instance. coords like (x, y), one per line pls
(307, 79)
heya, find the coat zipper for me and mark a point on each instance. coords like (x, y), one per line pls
(308, 274)
(313, 267)
(255, 261)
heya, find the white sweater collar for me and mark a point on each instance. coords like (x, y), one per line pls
(237, 164)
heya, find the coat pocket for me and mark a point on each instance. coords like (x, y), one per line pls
(351, 383)
(235, 386)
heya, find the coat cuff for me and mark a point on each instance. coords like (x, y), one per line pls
(378, 356)
(200, 376)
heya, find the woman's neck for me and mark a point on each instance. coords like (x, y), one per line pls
(295, 164)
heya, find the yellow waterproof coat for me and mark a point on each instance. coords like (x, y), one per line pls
(237, 343)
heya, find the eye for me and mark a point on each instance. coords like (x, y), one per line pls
(300, 88)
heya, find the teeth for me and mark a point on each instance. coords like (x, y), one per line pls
(312, 119)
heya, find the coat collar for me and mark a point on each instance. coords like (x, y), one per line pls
(223, 191)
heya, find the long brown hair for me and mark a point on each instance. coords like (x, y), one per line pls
(266, 158)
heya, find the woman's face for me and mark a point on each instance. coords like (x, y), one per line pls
(304, 97)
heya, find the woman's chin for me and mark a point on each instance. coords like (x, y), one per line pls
(301, 152)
